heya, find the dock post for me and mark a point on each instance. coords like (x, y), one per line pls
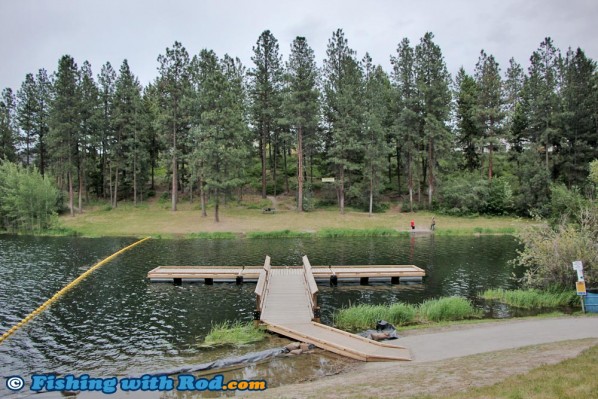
(177, 281)
(317, 314)
(395, 280)
(209, 281)
(257, 315)
(363, 280)
(334, 280)
(239, 280)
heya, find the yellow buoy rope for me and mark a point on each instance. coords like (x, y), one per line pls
(66, 288)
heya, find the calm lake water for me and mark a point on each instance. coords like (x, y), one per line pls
(118, 323)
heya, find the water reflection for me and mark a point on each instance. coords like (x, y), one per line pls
(117, 323)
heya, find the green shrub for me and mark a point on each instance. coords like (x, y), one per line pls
(447, 309)
(531, 298)
(28, 200)
(236, 333)
(363, 317)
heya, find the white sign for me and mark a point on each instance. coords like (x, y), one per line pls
(577, 265)
(327, 179)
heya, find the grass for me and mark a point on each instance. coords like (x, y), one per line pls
(531, 299)
(572, 378)
(216, 235)
(154, 218)
(362, 317)
(278, 234)
(236, 333)
(447, 309)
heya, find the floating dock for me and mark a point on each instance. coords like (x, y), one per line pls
(240, 274)
(287, 302)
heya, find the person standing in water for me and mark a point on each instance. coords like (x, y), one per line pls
(412, 224)
(433, 225)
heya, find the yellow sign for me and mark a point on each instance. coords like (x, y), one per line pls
(581, 287)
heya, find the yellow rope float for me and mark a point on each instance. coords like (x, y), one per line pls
(65, 289)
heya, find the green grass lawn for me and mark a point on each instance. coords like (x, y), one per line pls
(156, 218)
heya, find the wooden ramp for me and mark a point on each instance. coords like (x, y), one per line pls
(287, 305)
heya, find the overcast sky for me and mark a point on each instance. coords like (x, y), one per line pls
(36, 33)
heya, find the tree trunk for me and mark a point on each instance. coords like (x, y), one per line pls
(202, 196)
(71, 205)
(371, 190)
(410, 181)
(263, 151)
(299, 169)
(135, 180)
(286, 172)
(115, 201)
(81, 185)
(216, 206)
(110, 184)
(174, 168)
(490, 162)
(341, 196)
(430, 171)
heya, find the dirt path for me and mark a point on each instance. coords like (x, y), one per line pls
(456, 358)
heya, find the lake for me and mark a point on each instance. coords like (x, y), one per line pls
(118, 323)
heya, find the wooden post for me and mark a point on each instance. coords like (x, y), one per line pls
(364, 280)
(209, 281)
(395, 280)
(177, 281)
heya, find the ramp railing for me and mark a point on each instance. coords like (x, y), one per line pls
(311, 285)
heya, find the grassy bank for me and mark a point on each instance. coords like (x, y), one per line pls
(532, 299)
(236, 333)
(363, 317)
(244, 220)
(572, 378)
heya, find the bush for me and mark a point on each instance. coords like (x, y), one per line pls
(28, 201)
(467, 194)
(549, 251)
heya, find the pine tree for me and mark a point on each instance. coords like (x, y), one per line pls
(343, 91)
(221, 135)
(376, 109)
(434, 97)
(466, 113)
(514, 116)
(302, 104)
(89, 131)
(106, 82)
(65, 123)
(174, 87)
(407, 113)
(265, 92)
(490, 104)
(126, 153)
(42, 117)
(541, 99)
(26, 112)
(579, 139)
(8, 126)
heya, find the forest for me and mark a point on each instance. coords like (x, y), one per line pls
(502, 140)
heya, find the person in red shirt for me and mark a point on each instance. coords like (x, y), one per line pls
(412, 224)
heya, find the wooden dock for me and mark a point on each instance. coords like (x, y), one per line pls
(287, 305)
(287, 300)
(241, 274)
